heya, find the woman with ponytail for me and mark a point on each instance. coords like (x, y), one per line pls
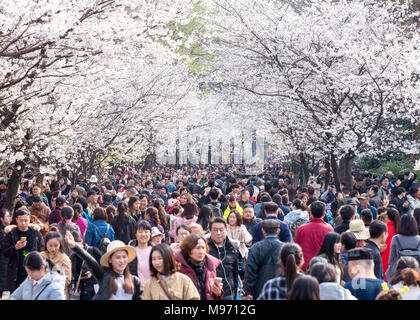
(124, 224)
(291, 261)
(113, 272)
(65, 225)
(41, 283)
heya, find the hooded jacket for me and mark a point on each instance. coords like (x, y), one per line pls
(210, 263)
(35, 242)
(334, 291)
(50, 288)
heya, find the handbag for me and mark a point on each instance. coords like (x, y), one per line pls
(164, 289)
(75, 294)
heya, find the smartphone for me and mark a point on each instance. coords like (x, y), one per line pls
(23, 239)
(218, 279)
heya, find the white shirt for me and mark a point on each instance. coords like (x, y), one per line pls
(121, 294)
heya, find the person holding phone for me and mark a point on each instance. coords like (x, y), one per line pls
(200, 267)
(18, 242)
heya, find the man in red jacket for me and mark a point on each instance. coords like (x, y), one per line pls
(310, 236)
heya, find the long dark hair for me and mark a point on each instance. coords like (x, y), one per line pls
(305, 288)
(204, 216)
(121, 218)
(159, 205)
(394, 216)
(327, 248)
(169, 262)
(77, 209)
(408, 225)
(154, 216)
(190, 209)
(290, 259)
(131, 201)
(128, 285)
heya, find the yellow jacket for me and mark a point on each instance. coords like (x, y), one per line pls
(179, 287)
(227, 211)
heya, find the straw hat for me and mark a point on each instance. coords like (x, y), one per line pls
(359, 230)
(114, 246)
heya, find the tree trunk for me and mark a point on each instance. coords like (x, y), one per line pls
(328, 174)
(13, 186)
(177, 153)
(150, 161)
(345, 168)
(295, 181)
(209, 153)
(305, 170)
(232, 151)
(335, 171)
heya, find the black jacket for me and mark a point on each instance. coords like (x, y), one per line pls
(34, 243)
(261, 264)
(377, 259)
(102, 275)
(399, 204)
(228, 269)
(127, 234)
(77, 265)
(345, 226)
(250, 224)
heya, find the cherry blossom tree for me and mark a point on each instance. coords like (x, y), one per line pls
(333, 73)
(61, 62)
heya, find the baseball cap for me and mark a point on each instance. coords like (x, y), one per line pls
(352, 201)
(60, 200)
(360, 254)
(364, 196)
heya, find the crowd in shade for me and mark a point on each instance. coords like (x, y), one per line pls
(210, 232)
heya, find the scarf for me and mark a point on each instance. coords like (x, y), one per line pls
(200, 273)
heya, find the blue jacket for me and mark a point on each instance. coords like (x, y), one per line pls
(374, 211)
(284, 236)
(92, 236)
(53, 283)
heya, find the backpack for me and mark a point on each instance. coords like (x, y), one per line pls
(217, 211)
(296, 224)
(104, 242)
(409, 252)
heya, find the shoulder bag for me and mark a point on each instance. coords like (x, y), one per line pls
(75, 294)
(164, 289)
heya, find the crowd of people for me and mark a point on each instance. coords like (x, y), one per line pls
(210, 233)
